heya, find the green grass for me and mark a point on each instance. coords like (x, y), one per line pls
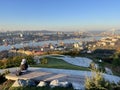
(40, 88)
(59, 64)
(57, 56)
(112, 67)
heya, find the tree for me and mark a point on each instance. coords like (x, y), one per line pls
(30, 59)
(116, 60)
(96, 81)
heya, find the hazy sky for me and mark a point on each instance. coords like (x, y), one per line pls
(59, 14)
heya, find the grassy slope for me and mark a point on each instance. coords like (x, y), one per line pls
(60, 64)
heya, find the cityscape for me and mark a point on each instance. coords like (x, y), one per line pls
(59, 45)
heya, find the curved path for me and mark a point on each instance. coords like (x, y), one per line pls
(69, 72)
(76, 77)
(79, 61)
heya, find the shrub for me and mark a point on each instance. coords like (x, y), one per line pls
(116, 60)
(6, 71)
(29, 59)
(44, 61)
(2, 78)
(40, 88)
(15, 61)
(72, 53)
(6, 85)
(96, 81)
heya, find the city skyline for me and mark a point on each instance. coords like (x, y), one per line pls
(59, 15)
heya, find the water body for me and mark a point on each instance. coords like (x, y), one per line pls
(31, 43)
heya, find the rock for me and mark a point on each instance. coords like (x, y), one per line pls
(42, 84)
(22, 82)
(54, 83)
(16, 84)
(28, 82)
(64, 84)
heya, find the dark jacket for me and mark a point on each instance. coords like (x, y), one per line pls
(24, 66)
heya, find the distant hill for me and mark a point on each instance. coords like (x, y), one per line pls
(97, 31)
(46, 31)
(101, 31)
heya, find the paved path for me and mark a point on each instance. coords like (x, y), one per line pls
(78, 61)
(45, 74)
(76, 77)
(68, 72)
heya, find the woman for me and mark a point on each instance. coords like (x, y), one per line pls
(24, 65)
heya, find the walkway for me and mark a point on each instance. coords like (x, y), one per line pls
(76, 77)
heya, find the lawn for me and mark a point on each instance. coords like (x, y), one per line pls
(40, 88)
(59, 64)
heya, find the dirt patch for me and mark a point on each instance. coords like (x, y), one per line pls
(6, 85)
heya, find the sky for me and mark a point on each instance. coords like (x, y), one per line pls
(61, 15)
